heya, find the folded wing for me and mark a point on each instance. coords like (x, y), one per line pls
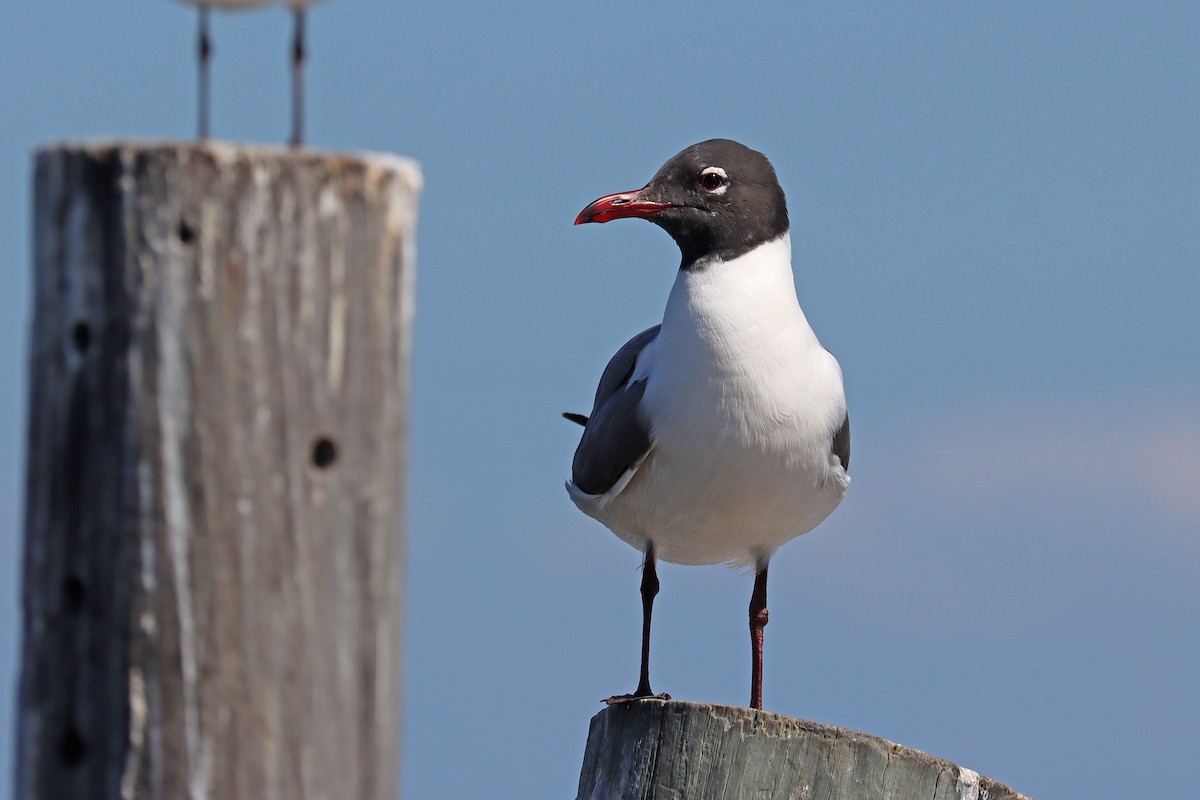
(616, 436)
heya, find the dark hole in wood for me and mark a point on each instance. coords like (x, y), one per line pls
(81, 334)
(324, 452)
(72, 748)
(74, 594)
(186, 234)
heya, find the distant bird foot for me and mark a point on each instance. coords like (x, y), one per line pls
(633, 698)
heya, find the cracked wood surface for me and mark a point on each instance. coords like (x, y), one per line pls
(214, 550)
(660, 750)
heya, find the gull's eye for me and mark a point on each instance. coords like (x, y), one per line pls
(714, 180)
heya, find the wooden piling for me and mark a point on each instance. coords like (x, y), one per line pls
(655, 750)
(214, 551)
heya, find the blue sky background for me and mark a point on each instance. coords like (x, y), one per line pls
(995, 213)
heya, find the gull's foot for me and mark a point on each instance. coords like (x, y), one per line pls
(633, 698)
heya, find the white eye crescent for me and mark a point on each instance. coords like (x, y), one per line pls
(714, 180)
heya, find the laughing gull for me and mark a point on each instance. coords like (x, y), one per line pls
(722, 433)
(204, 53)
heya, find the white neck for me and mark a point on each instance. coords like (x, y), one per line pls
(733, 308)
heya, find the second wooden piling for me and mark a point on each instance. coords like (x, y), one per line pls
(214, 551)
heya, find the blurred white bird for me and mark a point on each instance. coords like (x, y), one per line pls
(205, 51)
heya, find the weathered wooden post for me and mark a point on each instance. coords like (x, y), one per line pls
(655, 750)
(214, 534)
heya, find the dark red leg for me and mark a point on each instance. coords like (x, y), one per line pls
(298, 55)
(758, 621)
(649, 590)
(203, 54)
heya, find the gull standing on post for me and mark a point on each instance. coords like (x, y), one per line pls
(722, 433)
(204, 51)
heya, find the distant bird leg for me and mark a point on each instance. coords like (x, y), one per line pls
(298, 56)
(758, 621)
(204, 52)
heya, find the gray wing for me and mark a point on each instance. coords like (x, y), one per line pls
(841, 443)
(615, 435)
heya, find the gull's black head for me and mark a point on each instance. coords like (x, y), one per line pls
(717, 199)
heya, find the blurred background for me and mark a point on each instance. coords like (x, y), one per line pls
(995, 211)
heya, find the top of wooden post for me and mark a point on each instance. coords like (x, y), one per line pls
(671, 749)
(231, 153)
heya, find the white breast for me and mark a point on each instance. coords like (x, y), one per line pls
(743, 402)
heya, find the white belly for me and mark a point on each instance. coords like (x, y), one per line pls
(742, 403)
(698, 512)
